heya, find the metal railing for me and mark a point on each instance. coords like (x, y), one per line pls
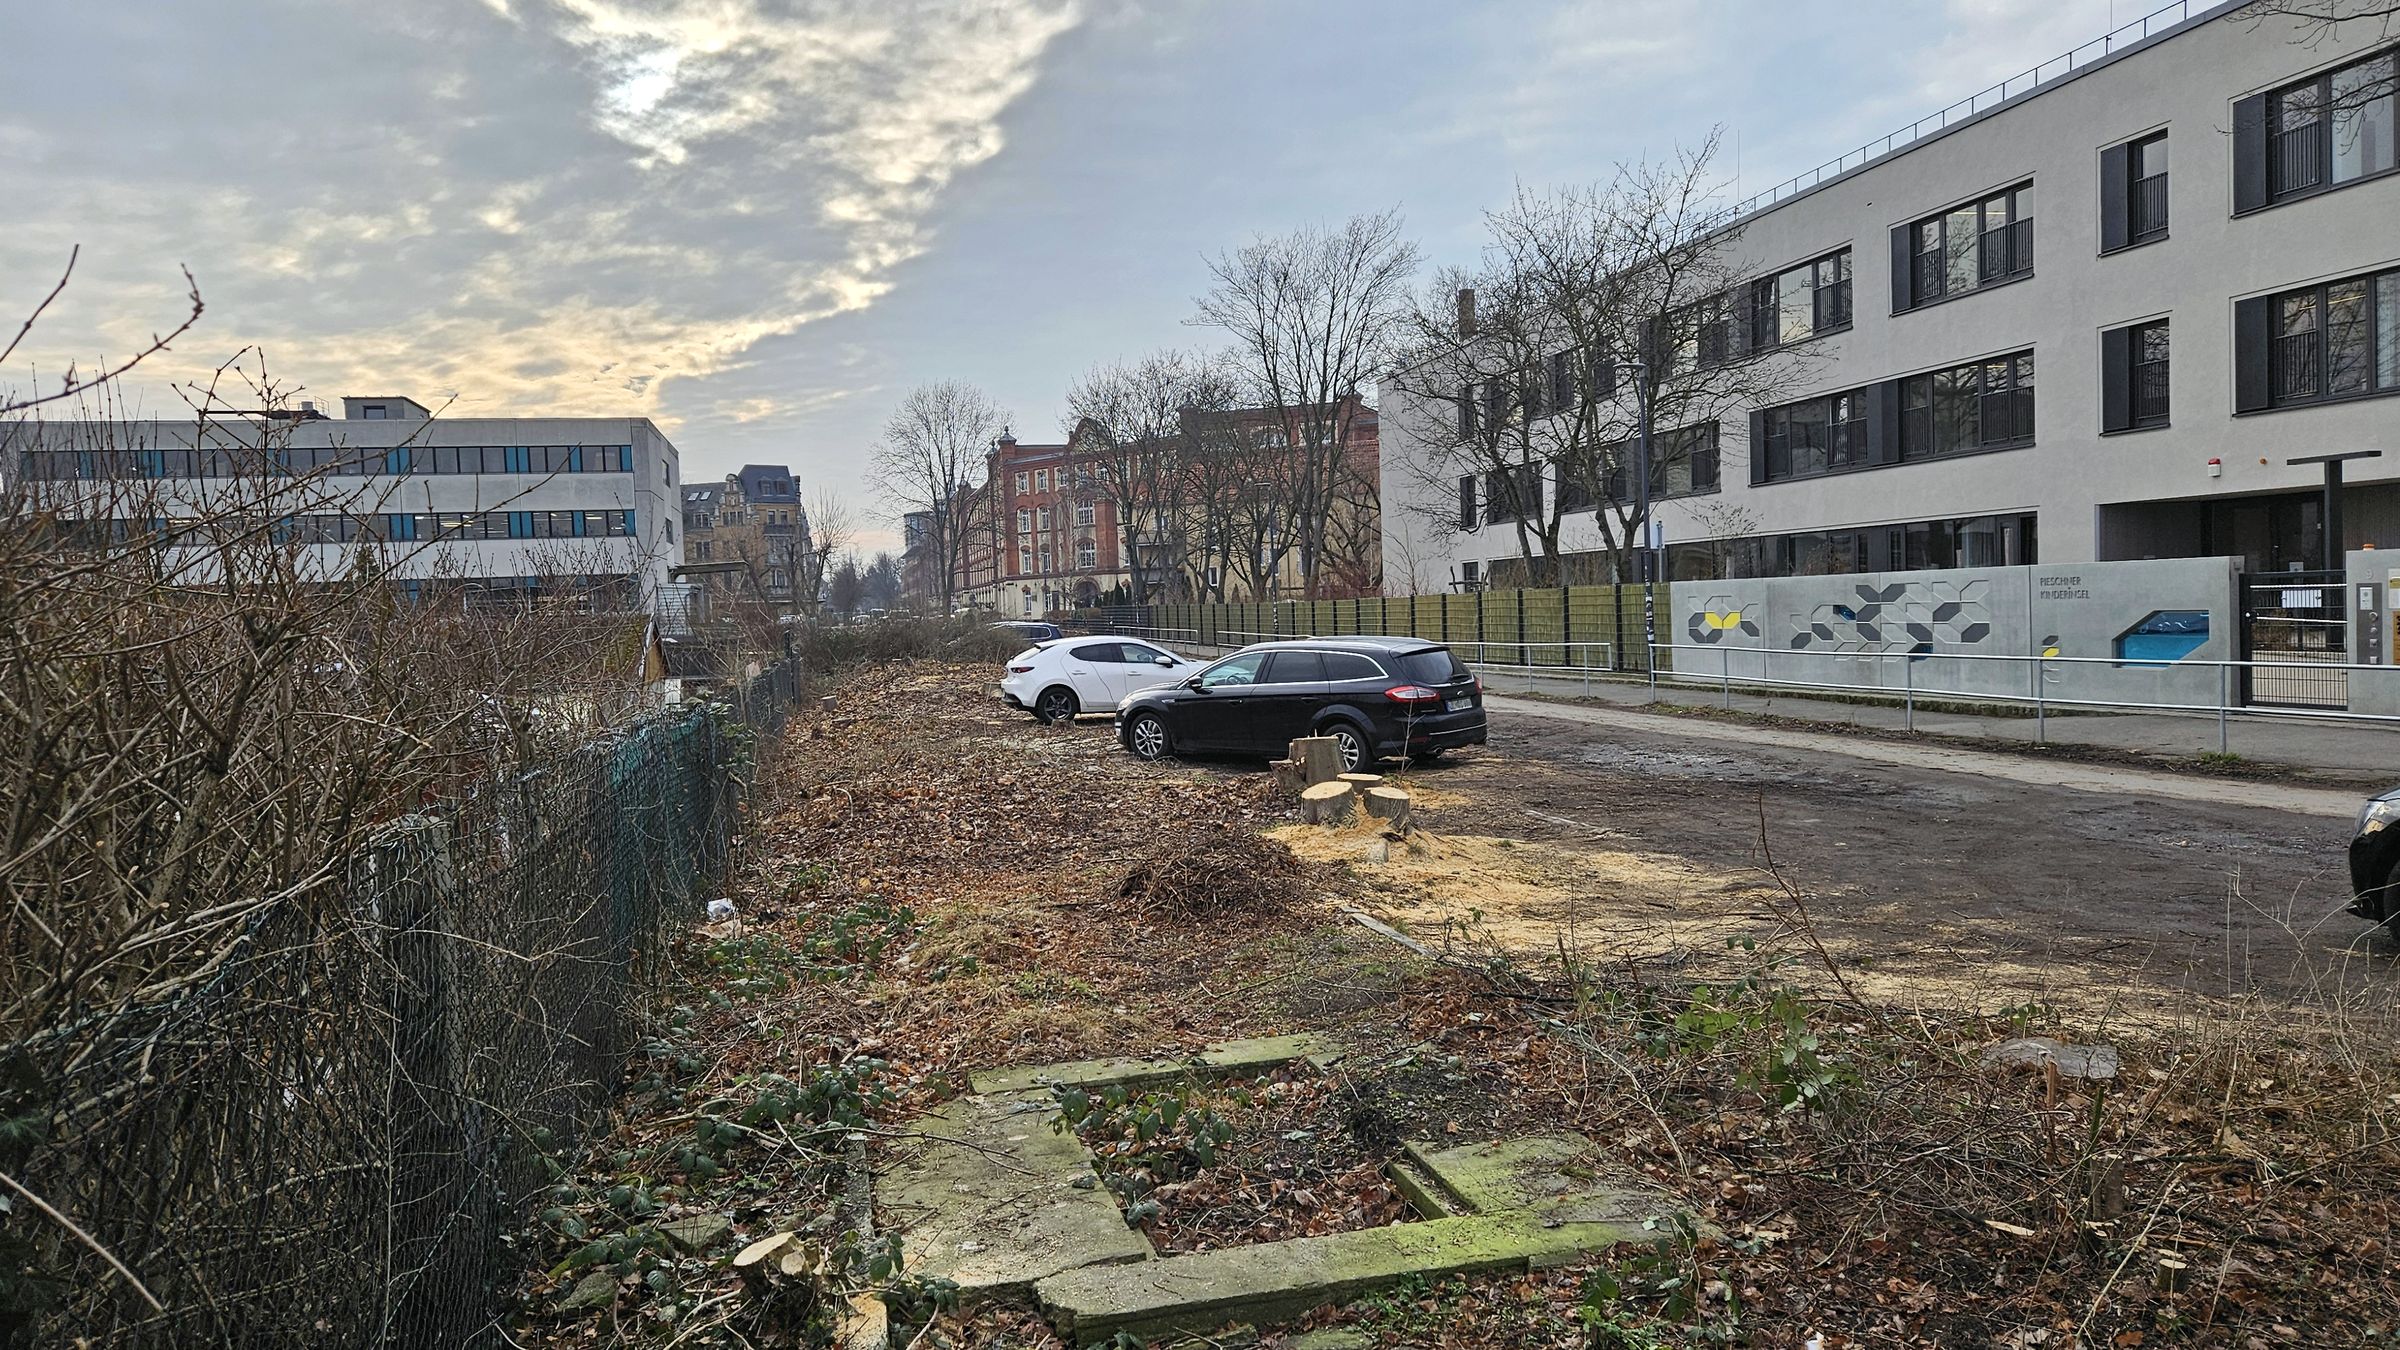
(2016, 86)
(2037, 693)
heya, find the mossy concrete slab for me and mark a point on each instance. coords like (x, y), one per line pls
(1222, 1060)
(1276, 1281)
(995, 1199)
(1560, 1177)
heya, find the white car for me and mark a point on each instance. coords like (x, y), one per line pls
(1055, 680)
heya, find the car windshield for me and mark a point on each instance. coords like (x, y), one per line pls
(1435, 665)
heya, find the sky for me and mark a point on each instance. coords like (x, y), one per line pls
(760, 222)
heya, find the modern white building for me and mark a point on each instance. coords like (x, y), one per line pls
(2090, 316)
(482, 506)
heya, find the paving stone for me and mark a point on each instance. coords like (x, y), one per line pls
(997, 1216)
(1562, 1177)
(1276, 1281)
(1230, 1057)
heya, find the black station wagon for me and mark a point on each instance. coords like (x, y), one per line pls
(1377, 697)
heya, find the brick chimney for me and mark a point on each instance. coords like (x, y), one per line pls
(1466, 313)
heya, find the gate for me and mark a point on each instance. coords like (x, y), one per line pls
(2295, 617)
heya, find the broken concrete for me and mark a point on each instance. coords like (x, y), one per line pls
(991, 1200)
(2092, 1063)
(1228, 1059)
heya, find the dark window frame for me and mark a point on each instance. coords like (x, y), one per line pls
(1780, 426)
(1910, 289)
(2273, 362)
(2279, 159)
(2136, 389)
(2019, 390)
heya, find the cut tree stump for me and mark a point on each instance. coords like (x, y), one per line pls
(1322, 758)
(1327, 803)
(1392, 806)
(1289, 777)
(1361, 781)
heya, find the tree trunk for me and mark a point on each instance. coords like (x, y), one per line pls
(1321, 757)
(1392, 806)
(1327, 803)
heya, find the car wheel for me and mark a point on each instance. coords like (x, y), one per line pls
(1056, 704)
(2386, 911)
(1350, 745)
(1146, 737)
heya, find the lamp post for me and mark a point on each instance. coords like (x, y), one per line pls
(2329, 514)
(1647, 570)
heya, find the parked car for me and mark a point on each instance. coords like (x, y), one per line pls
(1032, 630)
(2375, 859)
(1058, 679)
(1377, 697)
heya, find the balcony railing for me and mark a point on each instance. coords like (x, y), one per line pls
(2150, 206)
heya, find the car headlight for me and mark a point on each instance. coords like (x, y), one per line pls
(2376, 814)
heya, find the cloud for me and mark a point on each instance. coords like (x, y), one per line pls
(562, 206)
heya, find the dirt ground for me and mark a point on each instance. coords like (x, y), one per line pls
(1931, 887)
(933, 885)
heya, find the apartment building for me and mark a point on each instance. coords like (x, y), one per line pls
(746, 539)
(484, 507)
(2112, 311)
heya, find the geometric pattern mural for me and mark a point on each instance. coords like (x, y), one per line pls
(1908, 616)
(1719, 617)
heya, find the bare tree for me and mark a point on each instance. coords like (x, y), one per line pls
(1131, 420)
(2319, 20)
(1530, 374)
(1314, 315)
(933, 445)
(830, 531)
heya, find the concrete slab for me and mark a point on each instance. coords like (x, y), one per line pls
(1557, 1177)
(1275, 1281)
(995, 1199)
(1221, 1060)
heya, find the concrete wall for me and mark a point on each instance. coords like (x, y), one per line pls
(2374, 594)
(1860, 629)
(2186, 83)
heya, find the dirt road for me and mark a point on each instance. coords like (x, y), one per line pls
(1934, 874)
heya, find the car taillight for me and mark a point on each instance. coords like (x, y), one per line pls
(1479, 684)
(1022, 670)
(1411, 693)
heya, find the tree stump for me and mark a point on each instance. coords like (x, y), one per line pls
(1289, 777)
(1392, 806)
(1360, 781)
(1327, 803)
(1320, 755)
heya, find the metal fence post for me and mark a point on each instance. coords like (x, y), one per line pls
(1725, 674)
(2041, 721)
(2224, 680)
(1908, 677)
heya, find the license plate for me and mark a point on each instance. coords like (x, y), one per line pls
(1459, 703)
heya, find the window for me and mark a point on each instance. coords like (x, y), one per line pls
(1087, 555)
(1341, 666)
(2324, 132)
(1085, 513)
(2335, 341)
(1466, 412)
(1986, 405)
(2133, 193)
(1513, 494)
(1024, 559)
(1467, 517)
(1562, 381)
(1972, 245)
(1233, 670)
(1799, 303)
(1041, 519)
(1024, 522)
(1041, 480)
(1020, 485)
(1814, 436)
(1973, 541)
(1294, 668)
(2133, 377)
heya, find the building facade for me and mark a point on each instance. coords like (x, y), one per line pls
(487, 507)
(2096, 319)
(746, 539)
(1047, 532)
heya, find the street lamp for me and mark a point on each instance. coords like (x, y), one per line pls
(1647, 571)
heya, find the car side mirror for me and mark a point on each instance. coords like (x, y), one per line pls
(1163, 662)
(1195, 686)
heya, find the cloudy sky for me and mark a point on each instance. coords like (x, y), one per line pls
(758, 222)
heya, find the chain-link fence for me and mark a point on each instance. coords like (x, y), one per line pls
(325, 1137)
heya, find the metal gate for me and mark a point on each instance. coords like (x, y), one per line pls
(2299, 618)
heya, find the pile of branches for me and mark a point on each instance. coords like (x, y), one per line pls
(1219, 867)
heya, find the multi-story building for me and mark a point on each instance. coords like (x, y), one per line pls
(484, 506)
(747, 540)
(2106, 312)
(1045, 531)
